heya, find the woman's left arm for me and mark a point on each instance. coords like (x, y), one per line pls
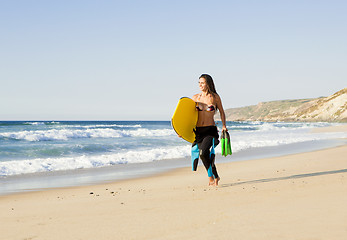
(221, 111)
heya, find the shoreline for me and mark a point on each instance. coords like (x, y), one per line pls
(81, 177)
(85, 177)
(46, 176)
(287, 197)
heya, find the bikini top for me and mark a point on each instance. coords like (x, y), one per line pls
(210, 108)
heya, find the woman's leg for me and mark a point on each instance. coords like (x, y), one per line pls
(208, 160)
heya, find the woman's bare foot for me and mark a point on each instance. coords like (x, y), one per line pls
(212, 181)
(216, 180)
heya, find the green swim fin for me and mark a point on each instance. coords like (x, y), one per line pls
(222, 143)
(225, 144)
(228, 144)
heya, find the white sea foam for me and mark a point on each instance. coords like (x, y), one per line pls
(240, 141)
(88, 161)
(256, 139)
(35, 123)
(137, 144)
(118, 125)
(266, 126)
(105, 126)
(65, 134)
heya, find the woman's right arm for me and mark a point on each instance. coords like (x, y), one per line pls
(222, 113)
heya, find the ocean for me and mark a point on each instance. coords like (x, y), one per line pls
(46, 147)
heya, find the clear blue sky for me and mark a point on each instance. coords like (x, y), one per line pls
(132, 60)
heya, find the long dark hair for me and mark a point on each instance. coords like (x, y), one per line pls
(210, 83)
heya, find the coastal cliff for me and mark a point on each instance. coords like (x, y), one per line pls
(325, 109)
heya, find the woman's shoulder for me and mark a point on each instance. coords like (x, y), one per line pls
(215, 96)
(195, 97)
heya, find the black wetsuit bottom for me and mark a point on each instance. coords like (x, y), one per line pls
(204, 138)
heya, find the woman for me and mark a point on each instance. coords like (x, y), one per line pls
(207, 103)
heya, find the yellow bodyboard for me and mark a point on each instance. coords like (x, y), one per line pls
(184, 119)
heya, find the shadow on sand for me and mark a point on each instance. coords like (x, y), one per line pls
(285, 178)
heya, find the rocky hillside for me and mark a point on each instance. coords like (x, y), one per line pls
(328, 109)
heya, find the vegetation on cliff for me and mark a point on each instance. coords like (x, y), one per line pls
(327, 109)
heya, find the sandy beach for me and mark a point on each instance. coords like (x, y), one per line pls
(299, 196)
